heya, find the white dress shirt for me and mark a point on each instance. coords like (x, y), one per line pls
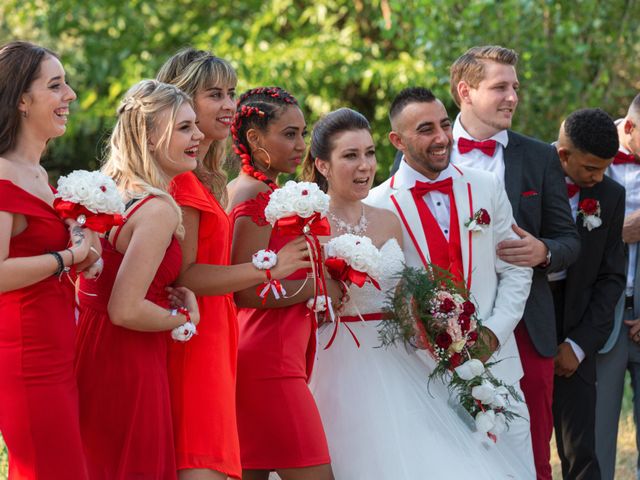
(628, 175)
(437, 202)
(476, 158)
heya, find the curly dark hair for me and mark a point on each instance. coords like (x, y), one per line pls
(592, 131)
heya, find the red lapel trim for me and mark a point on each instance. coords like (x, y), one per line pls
(393, 180)
(470, 233)
(406, 225)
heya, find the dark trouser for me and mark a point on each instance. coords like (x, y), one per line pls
(574, 409)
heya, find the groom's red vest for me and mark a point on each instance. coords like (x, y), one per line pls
(445, 254)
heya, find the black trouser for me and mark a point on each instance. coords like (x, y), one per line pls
(574, 413)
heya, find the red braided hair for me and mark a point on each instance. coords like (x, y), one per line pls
(260, 105)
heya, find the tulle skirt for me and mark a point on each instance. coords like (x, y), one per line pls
(384, 420)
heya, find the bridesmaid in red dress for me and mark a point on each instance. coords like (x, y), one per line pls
(127, 314)
(39, 417)
(202, 372)
(278, 421)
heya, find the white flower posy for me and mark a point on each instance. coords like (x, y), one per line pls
(264, 259)
(296, 198)
(358, 252)
(95, 191)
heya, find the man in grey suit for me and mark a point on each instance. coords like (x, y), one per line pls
(622, 350)
(484, 85)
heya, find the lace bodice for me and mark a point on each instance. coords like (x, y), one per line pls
(369, 299)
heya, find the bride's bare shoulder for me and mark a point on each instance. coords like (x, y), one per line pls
(384, 223)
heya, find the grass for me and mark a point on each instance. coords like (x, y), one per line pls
(625, 460)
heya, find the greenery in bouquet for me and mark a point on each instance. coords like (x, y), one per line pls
(431, 311)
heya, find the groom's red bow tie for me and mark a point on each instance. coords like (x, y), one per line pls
(572, 189)
(622, 158)
(443, 186)
(488, 147)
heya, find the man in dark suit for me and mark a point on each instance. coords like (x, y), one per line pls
(484, 84)
(585, 295)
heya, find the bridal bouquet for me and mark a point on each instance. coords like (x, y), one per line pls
(90, 198)
(352, 259)
(355, 259)
(432, 312)
(300, 209)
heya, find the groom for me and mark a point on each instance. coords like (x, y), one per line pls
(434, 201)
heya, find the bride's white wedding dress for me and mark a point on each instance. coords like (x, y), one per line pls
(382, 419)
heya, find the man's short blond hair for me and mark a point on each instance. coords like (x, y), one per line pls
(470, 66)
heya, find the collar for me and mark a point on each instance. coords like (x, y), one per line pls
(406, 176)
(502, 137)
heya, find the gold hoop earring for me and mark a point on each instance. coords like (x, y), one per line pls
(267, 154)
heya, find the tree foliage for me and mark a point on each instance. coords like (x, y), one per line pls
(333, 53)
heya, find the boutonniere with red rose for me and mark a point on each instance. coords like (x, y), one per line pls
(589, 208)
(479, 221)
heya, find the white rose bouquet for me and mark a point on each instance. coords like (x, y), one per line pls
(90, 198)
(353, 258)
(296, 207)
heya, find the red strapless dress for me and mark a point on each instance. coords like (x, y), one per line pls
(202, 371)
(38, 392)
(125, 410)
(278, 421)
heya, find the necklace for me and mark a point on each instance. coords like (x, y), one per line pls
(358, 229)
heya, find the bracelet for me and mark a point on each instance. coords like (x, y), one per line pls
(61, 268)
(184, 332)
(73, 258)
(264, 259)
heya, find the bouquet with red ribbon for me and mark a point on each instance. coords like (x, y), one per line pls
(90, 198)
(300, 209)
(432, 312)
(352, 259)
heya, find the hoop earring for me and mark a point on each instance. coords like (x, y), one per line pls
(268, 156)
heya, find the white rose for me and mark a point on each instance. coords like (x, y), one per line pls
(470, 369)
(499, 424)
(485, 421)
(485, 392)
(302, 206)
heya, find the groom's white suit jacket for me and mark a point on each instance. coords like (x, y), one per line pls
(499, 289)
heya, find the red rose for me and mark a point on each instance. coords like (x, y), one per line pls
(473, 336)
(589, 206)
(468, 308)
(483, 217)
(455, 360)
(447, 305)
(443, 340)
(464, 321)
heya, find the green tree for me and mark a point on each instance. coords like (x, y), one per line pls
(333, 53)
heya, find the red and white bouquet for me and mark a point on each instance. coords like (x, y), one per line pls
(352, 258)
(430, 311)
(90, 198)
(300, 208)
(589, 208)
(296, 207)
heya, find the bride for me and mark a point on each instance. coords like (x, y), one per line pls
(382, 418)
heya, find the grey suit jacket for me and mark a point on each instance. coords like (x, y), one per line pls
(536, 188)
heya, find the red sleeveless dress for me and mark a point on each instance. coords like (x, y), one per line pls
(202, 371)
(278, 421)
(125, 411)
(38, 392)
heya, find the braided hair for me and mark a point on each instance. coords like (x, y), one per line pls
(256, 109)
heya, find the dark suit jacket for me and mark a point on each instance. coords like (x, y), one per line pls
(595, 282)
(536, 189)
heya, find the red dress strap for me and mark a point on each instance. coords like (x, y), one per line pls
(253, 208)
(15, 199)
(188, 191)
(128, 215)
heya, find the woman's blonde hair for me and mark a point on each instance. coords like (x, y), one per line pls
(129, 161)
(192, 71)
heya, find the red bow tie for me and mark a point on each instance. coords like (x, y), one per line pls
(488, 147)
(572, 189)
(621, 158)
(443, 186)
